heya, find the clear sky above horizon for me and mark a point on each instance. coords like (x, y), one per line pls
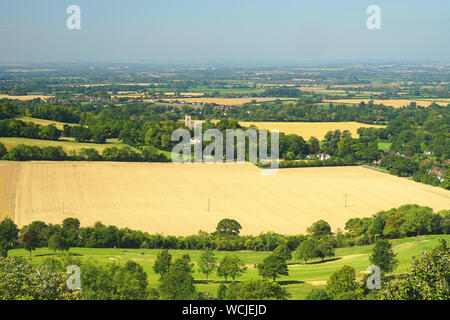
(223, 30)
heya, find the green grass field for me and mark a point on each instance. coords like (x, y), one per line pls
(384, 145)
(43, 122)
(67, 143)
(302, 278)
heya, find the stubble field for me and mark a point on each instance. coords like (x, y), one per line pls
(310, 129)
(396, 103)
(173, 199)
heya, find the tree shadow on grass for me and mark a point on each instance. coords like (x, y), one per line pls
(45, 255)
(287, 282)
(214, 281)
(314, 262)
(326, 260)
(58, 255)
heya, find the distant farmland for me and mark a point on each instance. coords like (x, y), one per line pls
(173, 199)
(396, 103)
(310, 129)
(227, 101)
(25, 97)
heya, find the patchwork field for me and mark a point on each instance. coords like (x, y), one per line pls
(23, 98)
(173, 199)
(227, 101)
(396, 103)
(310, 129)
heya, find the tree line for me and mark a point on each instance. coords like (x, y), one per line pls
(319, 242)
(127, 154)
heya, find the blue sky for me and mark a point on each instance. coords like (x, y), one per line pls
(223, 30)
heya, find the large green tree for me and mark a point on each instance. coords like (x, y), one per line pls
(30, 240)
(283, 251)
(383, 256)
(341, 281)
(162, 262)
(231, 266)
(306, 250)
(207, 263)
(324, 248)
(56, 242)
(272, 267)
(177, 283)
(228, 227)
(8, 235)
(320, 228)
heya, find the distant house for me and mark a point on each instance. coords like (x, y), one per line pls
(323, 156)
(438, 171)
(426, 161)
(428, 152)
(378, 162)
(319, 156)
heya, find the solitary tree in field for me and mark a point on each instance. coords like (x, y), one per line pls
(231, 266)
(30, 240)
(162, 263)
(56, 242)
(228, 227)
(207, 263)
(383, 256)
(272, 267)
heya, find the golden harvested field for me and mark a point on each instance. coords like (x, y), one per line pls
(227, 101)
(310, 129)
(23, 98)
(396, 103)
(9, 173)
(173, 199)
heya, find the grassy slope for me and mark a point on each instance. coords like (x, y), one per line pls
(300, 275)
(43, 122)
(67, 143)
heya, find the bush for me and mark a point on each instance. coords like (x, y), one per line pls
(21, 281)
(318, 294)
